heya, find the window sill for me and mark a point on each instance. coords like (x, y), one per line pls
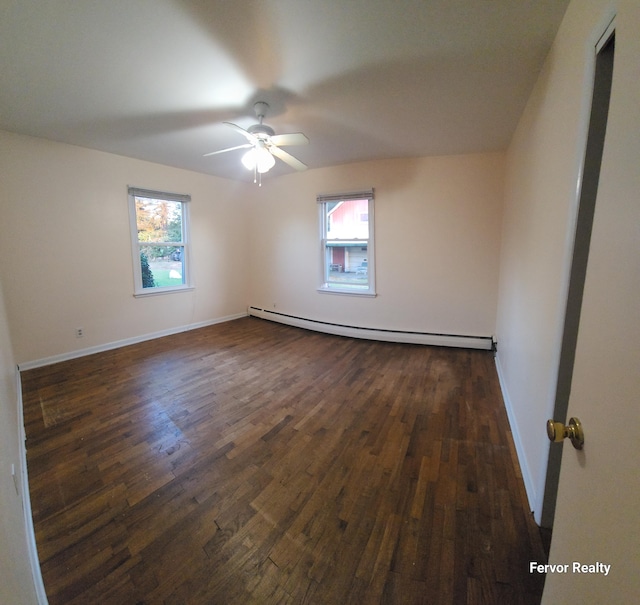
(347, 292)
(158, 291)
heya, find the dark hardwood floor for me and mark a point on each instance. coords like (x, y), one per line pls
(255, 463)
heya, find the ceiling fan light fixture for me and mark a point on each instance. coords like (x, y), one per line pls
(258, 158)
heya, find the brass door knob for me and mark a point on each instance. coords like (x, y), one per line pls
(556, 431)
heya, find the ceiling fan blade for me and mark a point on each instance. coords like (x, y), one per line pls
(287, 158)
(245, 133)
(228, 149)
(293, 138)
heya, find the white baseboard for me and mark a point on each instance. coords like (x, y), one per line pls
(32, 549)
(424, 338)
(38, 363)
(529, 484)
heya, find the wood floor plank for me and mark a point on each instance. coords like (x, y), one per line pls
(255, 463)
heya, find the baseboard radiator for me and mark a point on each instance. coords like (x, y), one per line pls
(422, 338)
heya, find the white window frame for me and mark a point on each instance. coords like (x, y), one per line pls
(324, 200)
(184, 199)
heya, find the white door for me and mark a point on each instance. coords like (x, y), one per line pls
(596, 537)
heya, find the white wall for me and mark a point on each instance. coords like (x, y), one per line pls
(16, 584)
(437, 232)
(543, 167)
(66, 248)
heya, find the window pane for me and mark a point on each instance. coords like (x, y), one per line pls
(159, 233)
(347, 243)
(347, 264)
(158, 220)
(348, 220)
(162, 266)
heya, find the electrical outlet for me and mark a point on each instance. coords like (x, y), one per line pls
(79, 332)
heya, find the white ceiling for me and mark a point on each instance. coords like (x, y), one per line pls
(363, 79)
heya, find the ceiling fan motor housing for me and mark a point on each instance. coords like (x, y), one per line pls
(261, 129)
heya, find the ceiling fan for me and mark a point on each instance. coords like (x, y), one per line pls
(264, 145)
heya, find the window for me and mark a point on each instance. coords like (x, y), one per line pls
(159, 232)
(346, 227)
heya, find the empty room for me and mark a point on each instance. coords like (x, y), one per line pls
(319, 302)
